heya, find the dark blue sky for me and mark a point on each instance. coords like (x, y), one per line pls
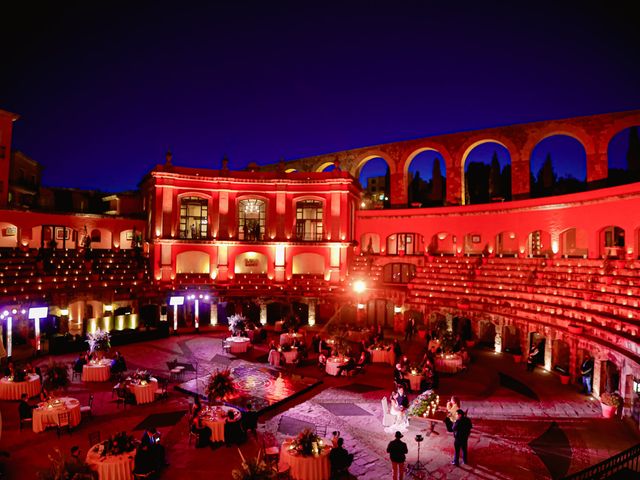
(105, 88)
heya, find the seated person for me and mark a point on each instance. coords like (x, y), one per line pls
(203, 433)
(80, 362)
(399, 401)
(76, 467)
(24, 409)
(44, 394)
(315, 343)
(196, 407)
(28, 369)
(322, 361)
(347, 367)
(340, 459)
(144, 461)
(10, 370)
(250, 419)
(232, 429)
(362, 361)
(398, 377)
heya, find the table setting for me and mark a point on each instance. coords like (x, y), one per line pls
(12, 388)
(307, 455)
(96, 370)
(47, 413)
(114, 458)
(215, 418)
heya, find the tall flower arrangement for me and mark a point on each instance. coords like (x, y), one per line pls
(220, 385)
(57, 376)
(253, 469)
(237, 324)
(99, 341)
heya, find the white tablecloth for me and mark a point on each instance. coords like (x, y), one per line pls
(238, 344)
(333, 363)
(10, 390)
(382, 356)
(449, 363)
(290, 356)
(287, 338)
(44, 416)
(97, 372)
(215, 418)
(144, 393)
(112, 467)
(312, 467)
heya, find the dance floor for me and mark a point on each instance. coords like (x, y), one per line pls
(263, 386)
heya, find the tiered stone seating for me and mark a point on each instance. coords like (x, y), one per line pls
(27, 275)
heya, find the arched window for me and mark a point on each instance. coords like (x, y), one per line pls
(404, 244)
(251, 219)
(194, 212)
(309, 220)
(398, 272)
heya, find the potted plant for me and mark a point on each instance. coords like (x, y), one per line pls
(56, 377)
(610, 403)
(220, 385)
(253, 469)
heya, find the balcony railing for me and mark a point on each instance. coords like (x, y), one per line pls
(625, 464)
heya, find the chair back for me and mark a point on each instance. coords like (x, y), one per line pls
(63, 419)
(94, 438)
(385, 406)
(91, 402)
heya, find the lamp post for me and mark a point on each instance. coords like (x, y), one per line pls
(174, 302)
(359, 287)
(35, 314)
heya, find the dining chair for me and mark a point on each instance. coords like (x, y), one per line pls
(88, 408)
(63, 422)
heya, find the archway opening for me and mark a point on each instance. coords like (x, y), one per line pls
(427, 180)
(623, 157)
(558, 166)
(375, 177)
(574, 242)
(561, 356)
(507, 244)
(487, 173)
(539, 244)
(612, 242)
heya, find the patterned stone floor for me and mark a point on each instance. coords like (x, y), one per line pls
(515, 436)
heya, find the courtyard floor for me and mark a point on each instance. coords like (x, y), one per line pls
(526, 425)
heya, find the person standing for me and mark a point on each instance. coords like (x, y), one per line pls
(586, 370)
(397, 451)
(461, 430)
(410, 329)
(532, 358)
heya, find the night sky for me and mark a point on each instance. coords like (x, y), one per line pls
(104, 89)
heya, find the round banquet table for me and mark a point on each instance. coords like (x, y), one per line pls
(449, 363)
(10, 390)
(382, 355)
(290, 356)
(414, 381)
(238, 344)
(287, 338)
(144, 393)
(111, 467)
(99, 371)
(333, 363)
(47, 413)
(215, 418)
(306, 467)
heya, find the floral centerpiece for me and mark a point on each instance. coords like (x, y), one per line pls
(99, 341)
(220, 385)
(253, 469)
(424, 404)
(307, 443)
(611, 399)
(237, 324)
(380, 346)
(56, 376)
(117, 444)
(141, 376)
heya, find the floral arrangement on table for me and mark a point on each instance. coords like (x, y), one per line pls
(117, 444)
(220, 385)
(141, 376)
(99, 341)
(380, 346)
(253, 469)
(611, 399)
(237, 324)
(424, 404)
(307, 443)
(56, 376)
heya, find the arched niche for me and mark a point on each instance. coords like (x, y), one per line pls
(558, 166)
(250, 263)
(308, 264)
(192, 262)
(539, 244)
(574, 242)
(8, 235)
(426, 178)
(612, 242)
(507, 244)
(486, 172)
(370, 243)
(442, 243)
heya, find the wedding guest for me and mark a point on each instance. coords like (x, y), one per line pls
(10, 370)
(453, 405)
(397, 451)
(347, 367)
(398, 377)
(533, 357)
(315, 343)
(461, 430)
(334, 438)
(24, 409)
(379, 334)
(410, 329)
(196, 407)
(586, 370)
(28, 369)
(76, 466)
(250, 419)
(144, 462)
(397, 350)
(44, 394)
(232, 429)
(322, 361)
(362, 361)
(157, 449)
(340, 459)
(203, 433)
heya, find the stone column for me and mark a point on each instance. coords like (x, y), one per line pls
(548, 352)
(498, 339)
(263, 313)
(312, 311)
(597, 375)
